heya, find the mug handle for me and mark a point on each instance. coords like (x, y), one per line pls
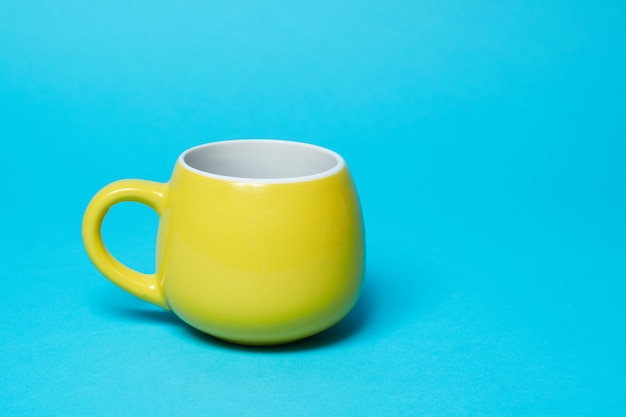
(150, 193)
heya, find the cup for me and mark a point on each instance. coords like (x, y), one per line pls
(260, 241)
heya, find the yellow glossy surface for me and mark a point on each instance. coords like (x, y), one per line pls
(249, 263)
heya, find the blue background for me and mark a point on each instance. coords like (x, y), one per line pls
(488, 143)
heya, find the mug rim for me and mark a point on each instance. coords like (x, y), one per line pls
(336, 168)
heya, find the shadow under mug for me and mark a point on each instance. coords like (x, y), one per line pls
(259, 241)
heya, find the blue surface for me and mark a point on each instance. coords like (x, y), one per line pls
(488, 143)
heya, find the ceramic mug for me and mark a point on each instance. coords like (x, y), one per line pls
(259, 241)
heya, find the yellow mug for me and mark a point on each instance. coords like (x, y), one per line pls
(259, 241)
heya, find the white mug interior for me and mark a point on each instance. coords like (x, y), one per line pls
(262, 160)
